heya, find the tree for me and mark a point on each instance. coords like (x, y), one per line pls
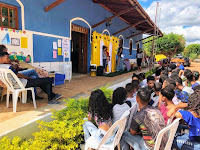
(169, 44)
(192, 51)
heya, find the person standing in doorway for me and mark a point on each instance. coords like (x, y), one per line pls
(119, 60)
(139, 60)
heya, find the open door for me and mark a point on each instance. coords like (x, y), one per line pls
(79, 52)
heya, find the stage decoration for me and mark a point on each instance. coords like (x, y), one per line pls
(98, 41)
(13, 30)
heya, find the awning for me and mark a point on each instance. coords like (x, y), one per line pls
(132, 13)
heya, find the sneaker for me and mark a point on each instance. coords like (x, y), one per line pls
(53, 102)
(57, 96)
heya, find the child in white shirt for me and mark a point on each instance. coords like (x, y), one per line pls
(155, 95)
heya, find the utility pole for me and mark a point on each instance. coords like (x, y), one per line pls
(153, 42)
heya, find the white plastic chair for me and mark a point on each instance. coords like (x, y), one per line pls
(171, 129)
(15, 92)
(120, 124)
(170, 120)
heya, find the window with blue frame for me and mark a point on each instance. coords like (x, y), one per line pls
(8, 16)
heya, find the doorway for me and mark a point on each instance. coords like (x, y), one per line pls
(79, 50)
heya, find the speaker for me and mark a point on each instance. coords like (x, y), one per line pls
(99, 70)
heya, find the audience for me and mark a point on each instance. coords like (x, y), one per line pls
(150, 83)
(163, 78)
(131, 89)
(145, 125)
(120, 104)
(172, 82)
(143, 80)
(196, 78)
(192, 117)
(99, 112)
(167, 95)
(157, 74)
(135, 77)
(180, 66)
(155, 95)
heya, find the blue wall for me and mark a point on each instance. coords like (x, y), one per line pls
(43, 49)
(57, 22)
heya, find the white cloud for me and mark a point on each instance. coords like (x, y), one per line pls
(179, 16)
(194, 42)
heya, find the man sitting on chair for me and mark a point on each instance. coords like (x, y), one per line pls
(26, 72)
(44, 83)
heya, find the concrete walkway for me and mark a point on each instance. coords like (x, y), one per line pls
(79, 86)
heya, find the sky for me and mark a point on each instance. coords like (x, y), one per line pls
(177, 16)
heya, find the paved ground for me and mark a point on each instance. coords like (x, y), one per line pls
(79, 86)
(194, 66)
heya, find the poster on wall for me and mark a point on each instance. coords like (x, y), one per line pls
(66, 47)
(59, 43)
(55, 46)
(24, 42)
(59, 51)
(54, 54)
(15, 41)
(6, 39)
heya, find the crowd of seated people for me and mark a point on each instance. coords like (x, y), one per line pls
(161, 98)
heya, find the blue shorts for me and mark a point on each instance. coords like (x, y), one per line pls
(104, 63)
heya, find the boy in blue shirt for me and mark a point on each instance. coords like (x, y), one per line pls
(192, 117)
(180, 66)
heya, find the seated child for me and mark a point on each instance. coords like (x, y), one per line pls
(163, 78)
(136, 84)
(180, 92)
(145, 125)
(164, 72)
(155, 95)
(196, 78)
(150, 83)
(143, 81)
(100, 112)
(189, 81)
(131, 89)
(167, 95)
(192, 117)
(157, 74)
(135, 77)
(171, 81)
(119, 104)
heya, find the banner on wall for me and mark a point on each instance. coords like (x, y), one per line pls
(66, 48)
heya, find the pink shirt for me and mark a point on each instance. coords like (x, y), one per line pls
(164, 111)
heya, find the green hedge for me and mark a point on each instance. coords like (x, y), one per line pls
(65, 132)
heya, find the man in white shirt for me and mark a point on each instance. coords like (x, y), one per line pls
(44, 83)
